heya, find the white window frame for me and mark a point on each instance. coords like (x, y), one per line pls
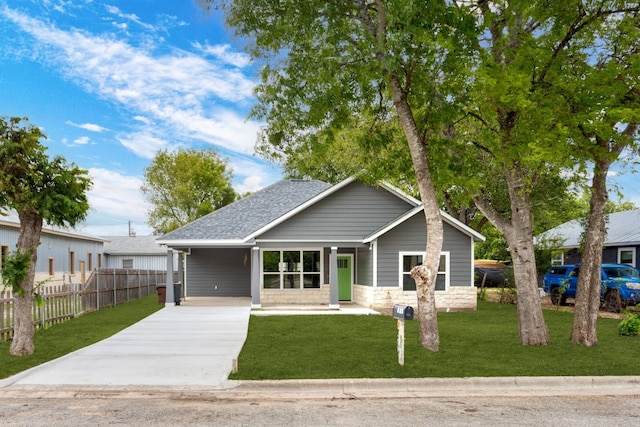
(633, 255)
(446, 272)
(557, 258)
(299, 268)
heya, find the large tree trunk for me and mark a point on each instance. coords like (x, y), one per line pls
(588, 291)
(518, 231)
(28, 240)
(426, 274)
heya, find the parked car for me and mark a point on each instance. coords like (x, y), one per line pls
(493, 273)
(620, 285)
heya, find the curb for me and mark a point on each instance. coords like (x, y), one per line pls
(367, 388)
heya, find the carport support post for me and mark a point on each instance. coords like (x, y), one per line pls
(169, 300)
(333, 278)
(255, 277)
(181, 273)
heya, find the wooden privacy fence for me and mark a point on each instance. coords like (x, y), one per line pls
(105, 287)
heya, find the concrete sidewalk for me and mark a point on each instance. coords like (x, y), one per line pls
(176, 346)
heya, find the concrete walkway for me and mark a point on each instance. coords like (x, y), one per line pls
(176, 346)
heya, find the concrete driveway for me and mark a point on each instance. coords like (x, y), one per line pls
(186, 345)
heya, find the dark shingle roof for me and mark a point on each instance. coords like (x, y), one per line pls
(247, 215)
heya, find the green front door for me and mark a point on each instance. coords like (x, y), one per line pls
(344, 278)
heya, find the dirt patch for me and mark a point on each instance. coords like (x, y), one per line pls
(546, 304)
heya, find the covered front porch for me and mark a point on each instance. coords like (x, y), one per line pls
(285, 275)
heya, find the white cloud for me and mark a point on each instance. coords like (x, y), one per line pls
(115, 199)
(83, 140)
(251, 176)
(143, 144)
(177, 93)
(223, 52)
(128, 16)
(87, 126)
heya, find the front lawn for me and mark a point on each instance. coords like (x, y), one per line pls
(74, 334)
(472, 344)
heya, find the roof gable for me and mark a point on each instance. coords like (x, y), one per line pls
(346, 212)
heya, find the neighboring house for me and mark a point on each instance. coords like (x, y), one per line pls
(134, 252)
(621, 242)
(307, 242)
(60, 254)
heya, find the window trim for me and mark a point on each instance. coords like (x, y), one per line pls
(72, 262)
(446, 272)
(633, 255)
(281, 273)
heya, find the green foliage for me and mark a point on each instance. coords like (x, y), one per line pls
(494, 247)
(39, 189)
(546, 249)
(185, 185)
(327, 68)
(32, 183)
(630, 325)
(15, 270)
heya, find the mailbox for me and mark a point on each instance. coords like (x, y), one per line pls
(403, 312)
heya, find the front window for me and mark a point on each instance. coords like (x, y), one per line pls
(408, 260)
(627, 256)
(291, 269)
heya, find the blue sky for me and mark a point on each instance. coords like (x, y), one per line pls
(111, 83)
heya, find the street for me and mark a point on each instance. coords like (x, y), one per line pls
(200, 410)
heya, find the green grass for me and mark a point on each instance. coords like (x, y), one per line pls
(63, 338)
(483, 343)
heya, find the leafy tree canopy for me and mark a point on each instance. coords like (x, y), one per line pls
(39, 189)
(185, 185)
(33, 183)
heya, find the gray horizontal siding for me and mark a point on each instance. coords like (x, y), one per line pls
(364, 273)
(411, 236)
(351, 213)
(227, 269)
(58, 248)
(140, 262)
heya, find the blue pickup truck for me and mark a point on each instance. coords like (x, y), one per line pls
(620, 285)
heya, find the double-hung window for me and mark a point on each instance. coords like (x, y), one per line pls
(408, 260)
(291, 269)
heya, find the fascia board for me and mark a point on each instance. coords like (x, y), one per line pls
(445, 217)
(203, 243)
(401, 194)
(392, 225)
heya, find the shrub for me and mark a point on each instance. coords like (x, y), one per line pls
(630, 325)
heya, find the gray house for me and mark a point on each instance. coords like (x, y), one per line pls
(61, 253)
(307, 242)
(620, 246)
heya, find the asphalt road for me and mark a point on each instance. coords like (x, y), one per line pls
(201, 410)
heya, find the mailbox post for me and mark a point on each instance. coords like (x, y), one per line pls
(402, 313)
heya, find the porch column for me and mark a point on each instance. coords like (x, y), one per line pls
(255, 277)
(333, 278)
(170, 300)
(181, 273)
